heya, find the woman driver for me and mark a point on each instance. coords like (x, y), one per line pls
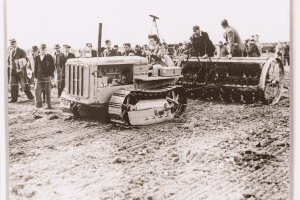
(156, 54)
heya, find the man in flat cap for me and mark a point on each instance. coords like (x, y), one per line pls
(60, 68)
(43, 71)
(235, 43)
(128, 51)
(18, 74)
(202, 45)
(109, 52)
(94, 52)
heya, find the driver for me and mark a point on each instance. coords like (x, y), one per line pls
(156, 54)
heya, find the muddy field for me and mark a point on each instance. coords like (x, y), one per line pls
(214, 151)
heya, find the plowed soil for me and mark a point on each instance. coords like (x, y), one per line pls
(214, 151)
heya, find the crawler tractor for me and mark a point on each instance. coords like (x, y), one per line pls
(121, 87)
(239, 79)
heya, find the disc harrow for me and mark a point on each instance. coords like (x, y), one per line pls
(246, 80)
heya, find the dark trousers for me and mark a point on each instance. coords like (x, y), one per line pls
(8, 73)
(60, 90)
(15, 80)
(286, 60)
(41, 84)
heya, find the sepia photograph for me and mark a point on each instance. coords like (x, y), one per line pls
(148, 100)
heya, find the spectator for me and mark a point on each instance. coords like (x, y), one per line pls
(43, 70)
(18, 74)
(137, 51)
(60, 68)
(252, 38)
(259, 45)
(128, 51)
(109, 52)
(286, 54)
(251, 49)
(221, 50)
(145, 49)
(176, 50)
(94, 53)
(235, 43)
(116, 48)
(279, 51)
(180, 48)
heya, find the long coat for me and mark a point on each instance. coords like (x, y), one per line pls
(60, 66)
(203, 45)
(18, 54)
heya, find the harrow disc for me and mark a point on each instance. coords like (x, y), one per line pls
(271, 81)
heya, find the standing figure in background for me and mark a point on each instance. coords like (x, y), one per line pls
(252, 38)
(60, 68)
(137, 51)
(259, 45)
(279, 52)
(94, 52)
(286, 54)
(128, 51)
(55, 56)
(18, 74)
(145, 49)
(202, 45)
(251, 49)
(109, 52)
(235, 43)
(57, 65)
(221, 50)
(116, 48)
(176, 50)
(43, 71)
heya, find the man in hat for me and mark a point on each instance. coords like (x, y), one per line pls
(18, 76)
(94, 52)
(202, 45)
(128, 51)
(116, 48)
(43, 71)
(235, 43)
(109, 52)
(252, 38)
(137, 51)
(60, 68)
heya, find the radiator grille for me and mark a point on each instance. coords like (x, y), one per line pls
(77, 80)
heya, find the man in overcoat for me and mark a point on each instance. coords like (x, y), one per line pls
(18, 74)
(235, 43)
(60, 66)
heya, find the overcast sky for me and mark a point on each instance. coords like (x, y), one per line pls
(76, 22)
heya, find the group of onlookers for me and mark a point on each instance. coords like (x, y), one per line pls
(44, 68)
